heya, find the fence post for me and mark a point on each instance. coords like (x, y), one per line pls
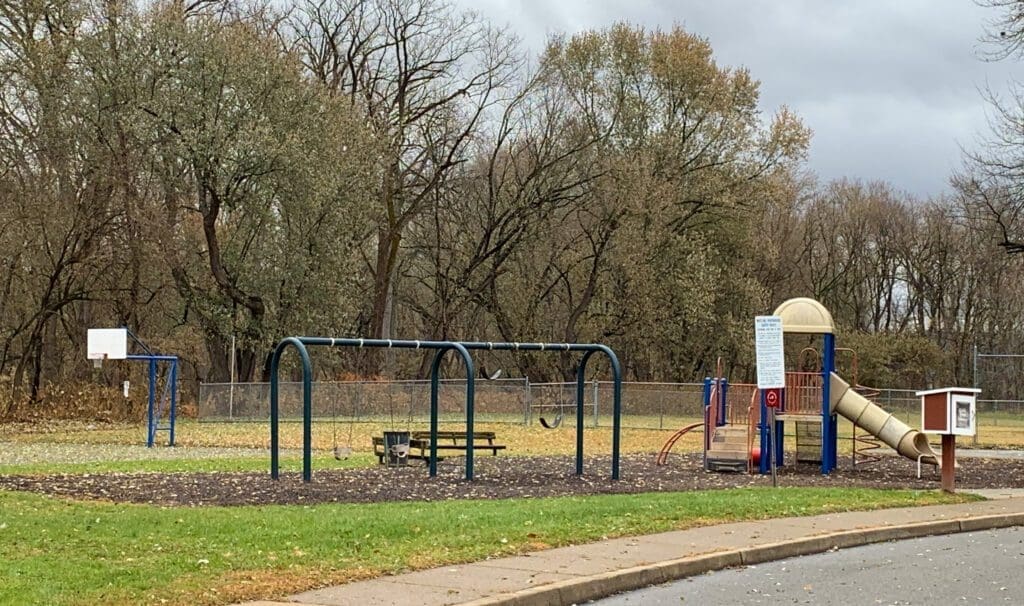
(597, 421)
(974, 384)
(410, 390)
(527, 402)
(661, 409)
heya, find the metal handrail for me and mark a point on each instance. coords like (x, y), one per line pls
(711, 413)
(804, 392)
(662, 457)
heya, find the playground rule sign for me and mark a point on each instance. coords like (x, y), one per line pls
(771, 363)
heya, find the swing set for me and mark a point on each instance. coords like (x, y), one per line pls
(553, 424)
(401, 450)
(398, 451)
(462, 348)
(342, 453)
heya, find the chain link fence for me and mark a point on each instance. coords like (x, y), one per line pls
(990, 412)
(516, 401)
(503, 400)
(902, 403)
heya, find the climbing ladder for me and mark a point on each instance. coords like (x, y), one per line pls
(865, 445)
(731, 413)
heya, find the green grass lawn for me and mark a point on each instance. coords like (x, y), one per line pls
(55, 551)
(62, 552)
(249, 463)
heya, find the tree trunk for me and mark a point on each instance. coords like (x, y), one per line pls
(388, 241)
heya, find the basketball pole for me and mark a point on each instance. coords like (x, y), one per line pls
(112, 344)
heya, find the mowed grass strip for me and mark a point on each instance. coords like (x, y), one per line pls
(1002, 432)
(187, 465)
(520, 439)
(68, 553)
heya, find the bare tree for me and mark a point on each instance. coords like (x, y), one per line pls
(263, 181)
(683, 157)
(1004, 31)
(994, 176)
(425, 76)
(56, 190)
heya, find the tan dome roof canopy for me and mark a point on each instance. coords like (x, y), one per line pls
(803, 315)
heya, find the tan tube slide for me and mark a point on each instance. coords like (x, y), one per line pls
(872, 418)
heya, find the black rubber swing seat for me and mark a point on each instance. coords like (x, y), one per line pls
(553, 424)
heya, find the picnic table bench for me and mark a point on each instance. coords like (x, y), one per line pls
(419, 444)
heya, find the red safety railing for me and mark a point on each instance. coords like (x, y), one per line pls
(804, 393)
(743, 409)
(711, 415)
(753, 418)
(736, 401)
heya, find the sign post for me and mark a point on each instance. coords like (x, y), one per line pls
(771, 375)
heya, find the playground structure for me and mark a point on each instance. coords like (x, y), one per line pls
(161, 412)
(441, 348)
(736, 414)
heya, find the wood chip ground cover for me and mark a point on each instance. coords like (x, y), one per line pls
(495, 478)
(14, 453)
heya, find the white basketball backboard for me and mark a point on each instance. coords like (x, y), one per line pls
(107, 344)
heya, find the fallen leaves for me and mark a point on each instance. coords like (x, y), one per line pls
(496, 477)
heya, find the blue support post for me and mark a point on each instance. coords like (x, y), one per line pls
(171, 385)
(764, 465)
(307, 422)
(780, 440)
(828, 420)
(722, 408)
(153, 410)
(151, 438)
(174, 398)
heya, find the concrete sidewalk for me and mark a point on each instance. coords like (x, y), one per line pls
(573, 575)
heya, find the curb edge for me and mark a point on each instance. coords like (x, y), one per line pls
(583, 589)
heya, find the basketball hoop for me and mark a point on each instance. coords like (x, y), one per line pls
(106, 343)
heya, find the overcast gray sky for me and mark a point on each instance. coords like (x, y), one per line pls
(889, 87)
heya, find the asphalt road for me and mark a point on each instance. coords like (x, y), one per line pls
(980, 567)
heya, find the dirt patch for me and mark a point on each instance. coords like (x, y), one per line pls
(496, 478)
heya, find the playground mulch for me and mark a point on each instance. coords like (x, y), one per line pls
(495, 478)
